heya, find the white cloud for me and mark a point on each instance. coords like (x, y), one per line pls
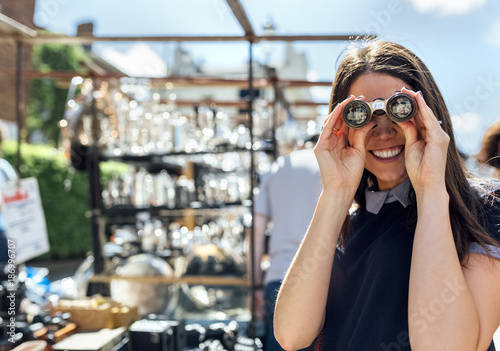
(139, 61)
(446, 7)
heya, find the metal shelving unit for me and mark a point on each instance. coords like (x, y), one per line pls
(12, 31)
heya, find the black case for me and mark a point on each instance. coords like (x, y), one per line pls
(157, 335)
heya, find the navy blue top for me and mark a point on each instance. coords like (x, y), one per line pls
(367, 306)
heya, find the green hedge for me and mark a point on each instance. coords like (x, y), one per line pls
(65, 197)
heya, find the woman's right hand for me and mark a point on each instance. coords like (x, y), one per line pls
(341, 159)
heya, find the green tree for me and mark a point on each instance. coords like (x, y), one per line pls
(48, 96)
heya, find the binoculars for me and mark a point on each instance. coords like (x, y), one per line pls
(400, 107)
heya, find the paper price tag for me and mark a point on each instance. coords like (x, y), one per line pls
(24, 219)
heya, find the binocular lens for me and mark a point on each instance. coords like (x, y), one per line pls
(401, 108)
(356, 114)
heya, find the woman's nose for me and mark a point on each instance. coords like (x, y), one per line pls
(384, 128)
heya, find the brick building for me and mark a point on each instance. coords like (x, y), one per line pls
(21, 11)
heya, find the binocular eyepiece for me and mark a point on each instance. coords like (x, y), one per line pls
(400, 107)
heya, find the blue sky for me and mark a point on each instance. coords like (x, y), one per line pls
(459, 40)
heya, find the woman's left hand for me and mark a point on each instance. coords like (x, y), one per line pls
(426, 147)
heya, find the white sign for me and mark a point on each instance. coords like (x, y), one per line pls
(24, 219)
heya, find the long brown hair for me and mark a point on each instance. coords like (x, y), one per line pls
(466, 208)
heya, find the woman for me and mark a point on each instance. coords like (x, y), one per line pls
(417, 265)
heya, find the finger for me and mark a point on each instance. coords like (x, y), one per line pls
(329, 122)
(359, 137)
(410, 131)
(327, 118)
(413, 94)
(425, 119)
(408, 91)
(343, 128)
(332, 124)
(426, 115)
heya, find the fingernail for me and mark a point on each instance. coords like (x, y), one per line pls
(360, 97)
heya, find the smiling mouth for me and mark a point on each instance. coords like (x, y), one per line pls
(388, 153)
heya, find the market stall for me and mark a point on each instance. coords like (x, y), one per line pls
(172, 229)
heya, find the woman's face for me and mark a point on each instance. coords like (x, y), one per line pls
(385, 142)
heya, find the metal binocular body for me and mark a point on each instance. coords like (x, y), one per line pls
(400, 107)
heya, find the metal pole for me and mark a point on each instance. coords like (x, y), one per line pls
(95, 194)
(252, 186)
(19, 101)
(274, 80)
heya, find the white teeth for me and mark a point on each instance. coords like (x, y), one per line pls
(388, 153)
